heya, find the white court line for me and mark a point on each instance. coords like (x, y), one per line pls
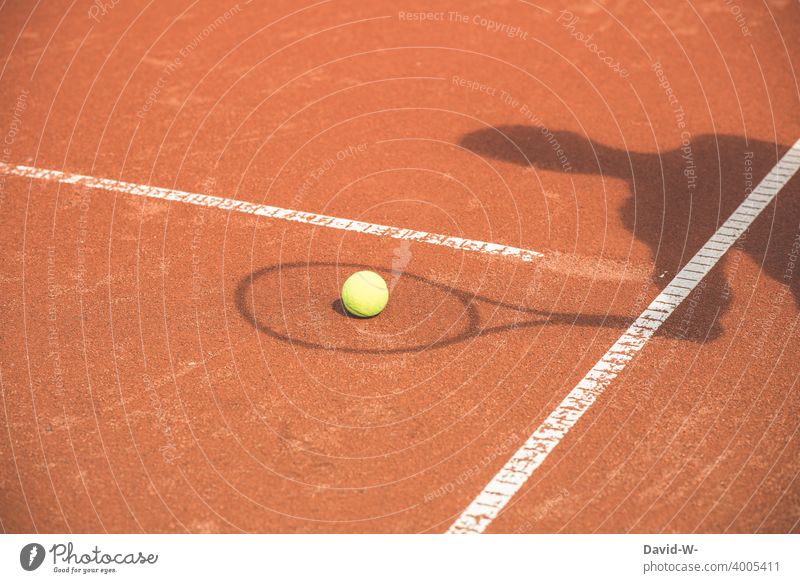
(271, 212)
(508, 481)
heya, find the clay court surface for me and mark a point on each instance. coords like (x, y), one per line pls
(172, 367)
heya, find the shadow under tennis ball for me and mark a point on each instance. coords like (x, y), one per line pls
(337, 306)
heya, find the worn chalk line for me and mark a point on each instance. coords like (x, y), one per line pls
(508, 481)
(271, 212)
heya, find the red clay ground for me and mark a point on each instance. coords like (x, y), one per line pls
(168, 368)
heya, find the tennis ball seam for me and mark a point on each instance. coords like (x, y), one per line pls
(378, 286)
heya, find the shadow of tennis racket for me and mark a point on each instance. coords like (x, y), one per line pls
(291, 303)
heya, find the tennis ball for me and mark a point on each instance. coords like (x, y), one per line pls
(365, 294)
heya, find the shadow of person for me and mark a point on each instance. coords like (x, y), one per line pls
(678, 200)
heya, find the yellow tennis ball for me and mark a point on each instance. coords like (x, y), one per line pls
(365, 294)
